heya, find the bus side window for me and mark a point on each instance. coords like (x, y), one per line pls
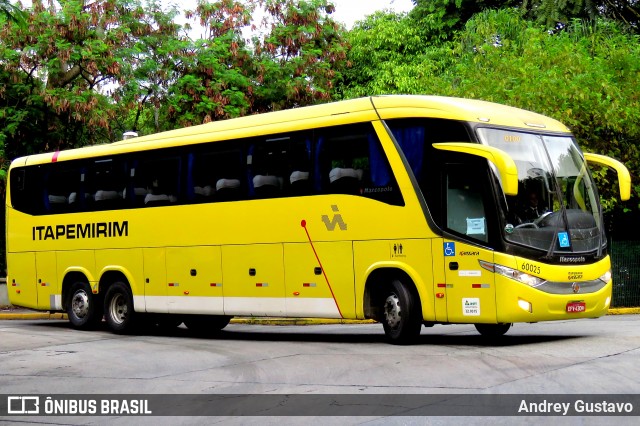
(26, 182)
(265, 163)
(107, 183)
(201, 186)
(465, 206)
(228, 171)
(161, 179)
(299, 167)
(350, 160)
(62, 183)
(342, 160)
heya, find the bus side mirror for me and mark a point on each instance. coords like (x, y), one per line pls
(624, 178)
(504, 163)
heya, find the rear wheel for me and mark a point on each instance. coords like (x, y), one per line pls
(493, 330)
(82, 306)
(402, 314)
(118, 308)
(206, 324)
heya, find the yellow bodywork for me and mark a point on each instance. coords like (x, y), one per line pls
(278, 257)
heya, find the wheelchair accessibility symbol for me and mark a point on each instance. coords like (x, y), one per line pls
(563, 239)
(449, 249)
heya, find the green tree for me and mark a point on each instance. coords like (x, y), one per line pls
(585, 76)
(552, 12)
(12, 12)
(214, 78)
(64, 65)
(300, 59)
(389, 55)
(296, 59)
(440, 19)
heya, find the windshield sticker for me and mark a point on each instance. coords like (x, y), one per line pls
(449, 249)
(475, 226)
(471, 307)
(563, 239)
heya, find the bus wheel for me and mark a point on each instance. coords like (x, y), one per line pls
(206, 324)
(402, 314)
(118, 308)
(493, 330)
(81, 307)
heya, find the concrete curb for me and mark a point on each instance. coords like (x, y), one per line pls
(22, 315)
(624, 311)
(32, 315)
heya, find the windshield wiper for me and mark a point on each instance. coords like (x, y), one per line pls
(563, 209)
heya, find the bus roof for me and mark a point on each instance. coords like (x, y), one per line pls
(335, 113)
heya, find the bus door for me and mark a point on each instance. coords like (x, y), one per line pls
(47, 281)
(21, 284)
(194, 280)
(317, 289)
(253, 280)
(469, 289)
(155, 280)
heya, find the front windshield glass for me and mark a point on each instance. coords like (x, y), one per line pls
(557, 207)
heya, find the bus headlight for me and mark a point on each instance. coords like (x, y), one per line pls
(527, 279)
(606, 277)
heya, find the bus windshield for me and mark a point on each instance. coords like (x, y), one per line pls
(557, 207)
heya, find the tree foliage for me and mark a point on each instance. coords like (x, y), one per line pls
(585, 76)
(294, 59)
(61, 67)
(553, 12)
(83, 71)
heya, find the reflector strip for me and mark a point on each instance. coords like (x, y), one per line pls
(262, 284)
(174, 284)
(216, 284)
(441, 285)
(308, 284)
(480, 286)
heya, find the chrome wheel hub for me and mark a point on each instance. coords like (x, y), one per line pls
(80, 304)
(392, 311)
(118, 309)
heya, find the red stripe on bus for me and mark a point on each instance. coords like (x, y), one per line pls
(303, 223)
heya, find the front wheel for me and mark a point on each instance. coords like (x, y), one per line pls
(493, 330)
(402, 314)
(82, 307)
(118, 308)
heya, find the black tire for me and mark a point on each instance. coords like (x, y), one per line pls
(493, 330)
(206, 324)
(401, 314)
(83, 308)
(118, 308)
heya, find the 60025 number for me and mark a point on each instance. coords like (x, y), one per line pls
(528, 267)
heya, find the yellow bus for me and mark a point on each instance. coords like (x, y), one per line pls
(408, 210)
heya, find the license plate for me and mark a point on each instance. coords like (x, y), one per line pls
(575, 307)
